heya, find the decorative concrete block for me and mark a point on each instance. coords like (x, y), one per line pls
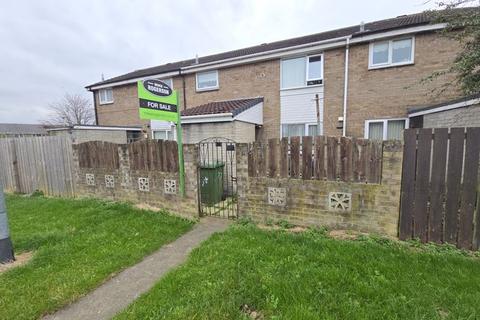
(170, 186)
(143, 184)
(277, 196)
(90, 179)
(339, 201)
(109, 181)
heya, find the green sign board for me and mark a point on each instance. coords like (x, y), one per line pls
(157, 101)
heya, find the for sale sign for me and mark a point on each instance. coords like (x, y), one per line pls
(157, 101)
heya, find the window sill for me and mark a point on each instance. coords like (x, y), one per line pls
(302, 87)
(105, 103)
(370, 67)
(207, 89)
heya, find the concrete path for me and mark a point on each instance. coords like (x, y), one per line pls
(116, 294)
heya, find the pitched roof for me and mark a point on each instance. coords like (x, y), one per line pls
(372, 27)
(234, 107)
(22, 128)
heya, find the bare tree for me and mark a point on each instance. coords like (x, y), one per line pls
(72, 109)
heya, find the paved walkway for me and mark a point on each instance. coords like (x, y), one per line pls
(117, 293)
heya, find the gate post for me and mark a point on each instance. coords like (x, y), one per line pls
(242, 174)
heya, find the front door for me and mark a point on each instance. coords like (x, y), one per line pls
(217, 178)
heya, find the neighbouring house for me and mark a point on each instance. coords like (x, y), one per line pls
(462, 112)
(84, 133)
(11, 130)
(360, 80)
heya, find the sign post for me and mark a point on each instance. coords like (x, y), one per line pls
(159, 102)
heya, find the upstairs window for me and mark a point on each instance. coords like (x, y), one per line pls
(106, 96)
(302, 72)
(391, 53)
(207, 80)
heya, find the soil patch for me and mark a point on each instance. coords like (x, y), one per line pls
(20, 260)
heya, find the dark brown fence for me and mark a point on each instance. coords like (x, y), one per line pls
(320, 158)
(144, 155)
(154, 155)
(98, 154)
(439, 200)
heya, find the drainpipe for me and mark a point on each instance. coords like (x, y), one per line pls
(345, 88)
(6, 247)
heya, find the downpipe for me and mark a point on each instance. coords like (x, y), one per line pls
(6, 247)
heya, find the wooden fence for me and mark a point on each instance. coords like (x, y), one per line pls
(320, 158)
(440, 186)
(37, 163)
(143, 155)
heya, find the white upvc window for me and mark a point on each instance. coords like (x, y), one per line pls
(105, 96)
(207, 80)
(389, 53)
(168, 82)
(163, 134)
(299, 129)
(302, 71)
(385, 129)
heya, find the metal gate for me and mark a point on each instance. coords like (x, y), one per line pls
(217, 178)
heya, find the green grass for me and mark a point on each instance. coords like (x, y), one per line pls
(310, 276)
(77, 244)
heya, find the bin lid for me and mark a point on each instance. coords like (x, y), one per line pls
(212, 165)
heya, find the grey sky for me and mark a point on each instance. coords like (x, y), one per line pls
(51, 47)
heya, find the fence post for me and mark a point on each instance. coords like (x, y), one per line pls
(16, 173)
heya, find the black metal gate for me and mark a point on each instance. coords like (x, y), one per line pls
(217, 178)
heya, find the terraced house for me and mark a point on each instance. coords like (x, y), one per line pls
(358, 81)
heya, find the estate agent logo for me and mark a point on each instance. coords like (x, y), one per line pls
(157, 101)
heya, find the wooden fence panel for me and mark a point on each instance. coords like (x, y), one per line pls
(446, 199)
(422, 184)
(469, 188)
(295, 157)
(307, 165)
(37, 163)
(437, 193)
(454, 176)
(319, 157)
(408, 185)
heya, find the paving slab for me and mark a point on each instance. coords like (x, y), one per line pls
(117, 293)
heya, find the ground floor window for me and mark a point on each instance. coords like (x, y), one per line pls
(163, 135)
(299, 129)
(385, 129)
(133, 136)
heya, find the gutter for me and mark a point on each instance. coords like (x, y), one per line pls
(345, 88)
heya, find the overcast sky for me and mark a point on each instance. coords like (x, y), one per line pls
(48, 48)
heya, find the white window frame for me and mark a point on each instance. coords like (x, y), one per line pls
(169, 80)
(306, 126)
(385, 125)
(306, 72)
(389, 63)
(165, 130)
(207, 88)
(307, 69)
(100, 100)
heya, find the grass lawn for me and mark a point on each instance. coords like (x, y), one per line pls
(281, 275)
(77, 244)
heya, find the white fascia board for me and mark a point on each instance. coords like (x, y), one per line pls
(106, 128)
(119, 83)
(446, 107)
(204, 118)
(252, 115)
(398, 32)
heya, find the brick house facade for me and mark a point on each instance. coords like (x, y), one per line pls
(374, 93)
